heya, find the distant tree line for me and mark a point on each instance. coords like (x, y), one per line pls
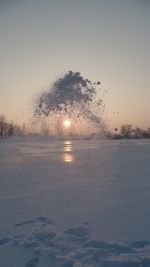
(125, 132)
(128, 132)
(9, 128)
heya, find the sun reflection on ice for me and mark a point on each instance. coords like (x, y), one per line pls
(67, 146)
(68, 157)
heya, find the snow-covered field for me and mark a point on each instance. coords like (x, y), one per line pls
(74, 203)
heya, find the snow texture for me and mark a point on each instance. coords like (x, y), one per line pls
(74, 247)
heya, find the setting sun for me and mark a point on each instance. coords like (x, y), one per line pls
(67, 123)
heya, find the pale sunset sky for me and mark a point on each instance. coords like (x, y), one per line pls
(105, 40)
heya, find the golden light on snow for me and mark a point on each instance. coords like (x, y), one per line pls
(68, 158)
(67, 123)
(67, 146)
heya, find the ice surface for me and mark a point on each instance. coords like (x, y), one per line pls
(74, 203)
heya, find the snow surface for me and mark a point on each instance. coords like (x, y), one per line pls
(74, 203)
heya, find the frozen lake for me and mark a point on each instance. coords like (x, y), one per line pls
(81, 191)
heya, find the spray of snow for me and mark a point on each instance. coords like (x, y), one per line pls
(75, 98)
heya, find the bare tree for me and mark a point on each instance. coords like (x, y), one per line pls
(138, 132)
(126, 130)
(3, 125)
(10, 129)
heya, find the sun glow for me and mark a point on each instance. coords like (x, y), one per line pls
(67, 123)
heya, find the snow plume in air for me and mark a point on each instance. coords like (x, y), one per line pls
(75, 98)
